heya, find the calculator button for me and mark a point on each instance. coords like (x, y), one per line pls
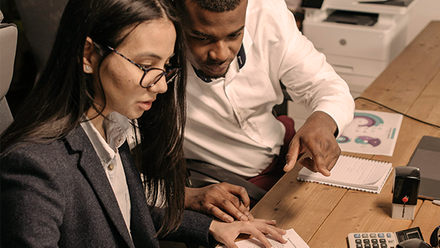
(383, 245)
(359, 246)
(367, 246)
(357, 235)
(364, 235)
(366, 241)
(375, 246)
(381, 235)
(372, 235)
(374, 241)
(358, 241)
(388, 235)
(382, 241)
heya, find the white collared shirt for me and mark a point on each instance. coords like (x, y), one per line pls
(117, 128)
(230, 121)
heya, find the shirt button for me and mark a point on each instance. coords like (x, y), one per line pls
(110, 167)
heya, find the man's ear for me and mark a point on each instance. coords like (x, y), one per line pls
(87, 57)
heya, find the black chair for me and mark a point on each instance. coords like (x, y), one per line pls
(217, 173)
(40, 20)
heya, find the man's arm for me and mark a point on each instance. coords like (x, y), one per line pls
(224, 201)
(317, 137)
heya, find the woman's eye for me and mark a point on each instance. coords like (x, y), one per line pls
(168, 66)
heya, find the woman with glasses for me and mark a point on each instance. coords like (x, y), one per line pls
(68, 177)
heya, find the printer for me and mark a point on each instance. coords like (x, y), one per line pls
(358, 37)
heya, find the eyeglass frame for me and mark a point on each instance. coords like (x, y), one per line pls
(146, 70)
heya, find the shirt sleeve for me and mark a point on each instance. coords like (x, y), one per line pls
(308, 78)
(194, 228)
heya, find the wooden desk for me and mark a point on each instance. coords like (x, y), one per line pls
(324, 215)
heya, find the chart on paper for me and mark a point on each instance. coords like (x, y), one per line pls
(371, 132)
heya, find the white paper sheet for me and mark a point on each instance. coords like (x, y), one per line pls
(371, 132)
(293, 241)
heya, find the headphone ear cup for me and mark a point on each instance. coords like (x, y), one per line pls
(435, 237)
(413, 243)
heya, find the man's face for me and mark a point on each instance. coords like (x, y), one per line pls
(213, 38)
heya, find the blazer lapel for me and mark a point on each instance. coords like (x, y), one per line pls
(142, 227)
(91, 166)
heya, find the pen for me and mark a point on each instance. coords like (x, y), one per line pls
(436, 202)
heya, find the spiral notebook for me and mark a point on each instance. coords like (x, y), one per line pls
(352, 173)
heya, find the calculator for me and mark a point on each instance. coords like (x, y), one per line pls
(372, 240)
(382, 239)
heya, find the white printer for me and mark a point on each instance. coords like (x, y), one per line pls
(358, 37)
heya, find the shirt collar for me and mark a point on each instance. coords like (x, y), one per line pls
(241, 57)
(199, 75)
(117, 128)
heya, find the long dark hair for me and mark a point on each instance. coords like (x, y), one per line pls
(64, 93)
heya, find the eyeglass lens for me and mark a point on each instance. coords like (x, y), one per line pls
(148, 82)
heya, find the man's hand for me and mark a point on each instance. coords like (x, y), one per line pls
(224, 201)
(317, 138)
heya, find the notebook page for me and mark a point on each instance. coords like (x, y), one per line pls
(351, 171)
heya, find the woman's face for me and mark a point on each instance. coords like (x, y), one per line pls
(150, 44)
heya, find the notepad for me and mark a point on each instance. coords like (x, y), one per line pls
(352, 173)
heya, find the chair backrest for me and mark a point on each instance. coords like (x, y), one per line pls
(40, 20)
(8, 46)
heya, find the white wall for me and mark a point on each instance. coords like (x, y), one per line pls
(422, 13)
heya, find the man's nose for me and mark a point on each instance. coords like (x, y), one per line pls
(219, 51)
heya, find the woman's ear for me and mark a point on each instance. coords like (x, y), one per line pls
(87, 57)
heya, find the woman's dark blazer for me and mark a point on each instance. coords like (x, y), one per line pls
(58, 195)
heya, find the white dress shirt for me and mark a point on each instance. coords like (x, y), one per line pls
(230, 121)
(117, 128)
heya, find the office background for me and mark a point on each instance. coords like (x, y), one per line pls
(28, 61)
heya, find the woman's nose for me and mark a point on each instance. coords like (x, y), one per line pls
(160, 86)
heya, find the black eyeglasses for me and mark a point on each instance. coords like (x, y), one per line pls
(170, 73)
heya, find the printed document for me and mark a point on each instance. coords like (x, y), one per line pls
(371, 132)
(293, 241)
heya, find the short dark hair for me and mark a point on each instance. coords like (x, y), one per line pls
(217, 5)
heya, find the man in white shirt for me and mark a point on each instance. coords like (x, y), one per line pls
(241, 51)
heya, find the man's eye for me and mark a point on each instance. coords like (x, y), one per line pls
(145, 67)
(201, 38)
(236, 35)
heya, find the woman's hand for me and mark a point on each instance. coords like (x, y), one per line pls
(226, 233)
